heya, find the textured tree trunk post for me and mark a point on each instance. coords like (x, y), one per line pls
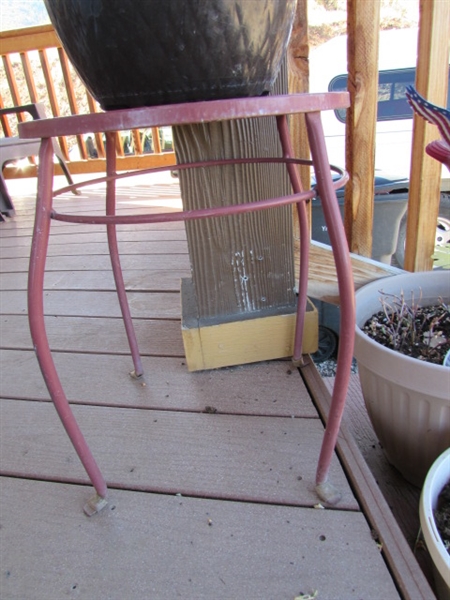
(242, 266)
(431, 82)
(362, 52)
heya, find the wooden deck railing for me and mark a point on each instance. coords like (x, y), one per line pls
(35, 68)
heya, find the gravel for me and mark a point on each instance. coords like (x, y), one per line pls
(327, 368)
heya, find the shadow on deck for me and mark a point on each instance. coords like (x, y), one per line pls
(211, 474)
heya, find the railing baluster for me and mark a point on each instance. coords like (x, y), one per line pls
(12, 82)
(4, 121)
(52, 97)
(137, 142)
(64, 62)
(29, 76)
(156, 140)
(40, 41)
(98, 138)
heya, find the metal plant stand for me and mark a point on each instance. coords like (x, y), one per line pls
(218, 110)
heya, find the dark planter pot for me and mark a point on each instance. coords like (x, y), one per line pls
(148, 52)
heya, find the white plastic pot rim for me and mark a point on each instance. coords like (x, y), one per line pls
(438, 476)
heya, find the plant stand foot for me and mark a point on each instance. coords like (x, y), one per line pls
(135, 375)
(94, 505)
(328, 493)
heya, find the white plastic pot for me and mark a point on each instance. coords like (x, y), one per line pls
(437, 477)
(408, 400)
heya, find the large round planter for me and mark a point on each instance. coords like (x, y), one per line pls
(140, 53)
(408, 400)
(436, 479)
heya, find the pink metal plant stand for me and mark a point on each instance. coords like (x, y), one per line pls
(199, 112)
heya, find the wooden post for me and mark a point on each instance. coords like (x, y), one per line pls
(298, 82)
(432, 83)
(362, 57)
(240, 304)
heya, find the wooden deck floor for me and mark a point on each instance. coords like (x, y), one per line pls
(211, 474)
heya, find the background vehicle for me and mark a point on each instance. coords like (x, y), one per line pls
(328, 72)
(397, 58)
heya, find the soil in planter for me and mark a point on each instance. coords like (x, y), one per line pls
(442, 516)
(421, 332)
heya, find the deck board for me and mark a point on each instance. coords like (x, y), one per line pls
(88, 235)
(75, 247)
(79, 334)
(154, 546)
(266, 389)
(100, 263)
(83, 303)
(196, 454)
(149, 280)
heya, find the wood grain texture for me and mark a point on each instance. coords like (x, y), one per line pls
(155, 546)
(95, 236)
(92, 248)
(97, 335)
(207, 455)
(362, 55)
(298, 78)
(247, 341)
(80, 303)
(266, 389)
(100, 263)
(240, 264)
(425, 176)
(322, 281)
(153, 279)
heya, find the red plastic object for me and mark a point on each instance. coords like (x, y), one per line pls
(217, 110)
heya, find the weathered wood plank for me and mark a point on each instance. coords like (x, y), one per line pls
(251, 458)
(96, 207)
(167, 547)
(17, 227)
(27, 39)
(96, 304)
(322, 282)
(99, 263)
(93, 234)
(249, 258)
(95, 204)
(78, 334)
(76, 248)
(145, 280)
(270, 388)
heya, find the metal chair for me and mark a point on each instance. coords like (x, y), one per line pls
(14, 148)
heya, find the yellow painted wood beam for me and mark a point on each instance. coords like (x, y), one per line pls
(241, 341)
